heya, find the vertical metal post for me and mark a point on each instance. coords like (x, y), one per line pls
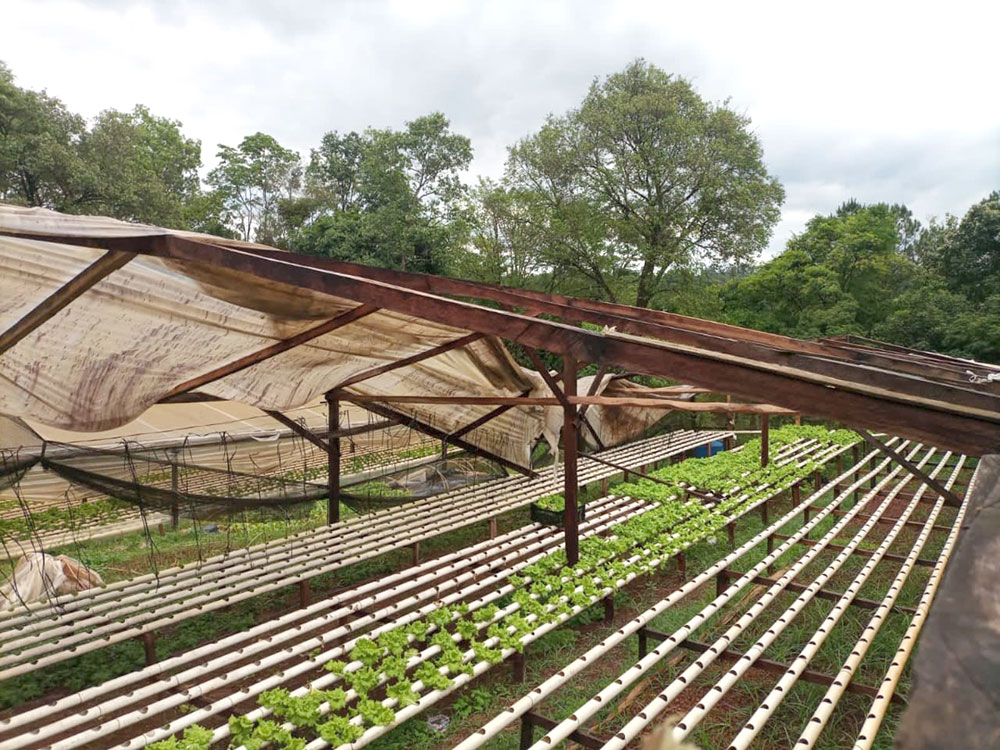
(333, 459)
(527, 732)
(175, 511)
(730, 442)
(764, 447)
(570, 489)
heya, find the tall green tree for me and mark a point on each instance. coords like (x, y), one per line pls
(969, 252)
(840, 275)
(385, 197)
(140, 167)
(40, 162)
(643, 177)
(504, 246)
(252, 180)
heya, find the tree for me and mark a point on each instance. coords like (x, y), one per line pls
(40, 164)
(644, 177)
(841, 275)
(504, 247)
(384, 197)
(969, 257)
(793, 295)
(140, 167)
(252, 179)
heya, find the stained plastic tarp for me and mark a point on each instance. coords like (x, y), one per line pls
(153, 325)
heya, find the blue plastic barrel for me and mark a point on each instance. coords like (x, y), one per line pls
(704, 451)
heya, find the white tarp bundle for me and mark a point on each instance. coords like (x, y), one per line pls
(41, 576)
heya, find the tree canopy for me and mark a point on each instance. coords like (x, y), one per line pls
(644, 177)
(644, 194)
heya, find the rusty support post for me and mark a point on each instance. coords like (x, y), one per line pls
(517, 666)
(527, 732)
(416, 552)
(763, 511)
(682, 565)
(721, 582)
(764, 440)
(333, 460)
(305, 593)
(570, 489)
(731, 534)
(493, 527)
(149, 648)
(609, 608)
(175, 511)
(643, 643)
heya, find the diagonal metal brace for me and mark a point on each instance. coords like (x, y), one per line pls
(950, 498)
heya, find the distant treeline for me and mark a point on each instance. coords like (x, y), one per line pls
(644, 194)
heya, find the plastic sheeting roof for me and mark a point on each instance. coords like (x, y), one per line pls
(154, 324)
(151, 312)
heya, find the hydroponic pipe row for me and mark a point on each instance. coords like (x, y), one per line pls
(730, 679)
(652, 710)
(770, 704)
(193, 717)
(376, 730)
(653, 449)
(887, 688)
(266, 644)
(496, 725)
(178, 599)
(458, 584)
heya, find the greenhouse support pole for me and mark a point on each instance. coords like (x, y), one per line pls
(764, 441)
(570, 488)
(333, 459)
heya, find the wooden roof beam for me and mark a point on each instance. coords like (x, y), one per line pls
(421, 426)
(381, 369)
(339, 321)
(107, 264)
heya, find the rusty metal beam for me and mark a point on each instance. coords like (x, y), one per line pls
(647, 403)
(487, 417)
(420, 426)
(388, 367)
(298, 429)
(345, 318)
(108, 263)
(811, 356)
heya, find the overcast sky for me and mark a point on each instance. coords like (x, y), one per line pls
(878, 101)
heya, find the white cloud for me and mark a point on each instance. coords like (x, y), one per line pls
(879, 101)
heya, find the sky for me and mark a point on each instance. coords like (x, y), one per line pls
(879, 101)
